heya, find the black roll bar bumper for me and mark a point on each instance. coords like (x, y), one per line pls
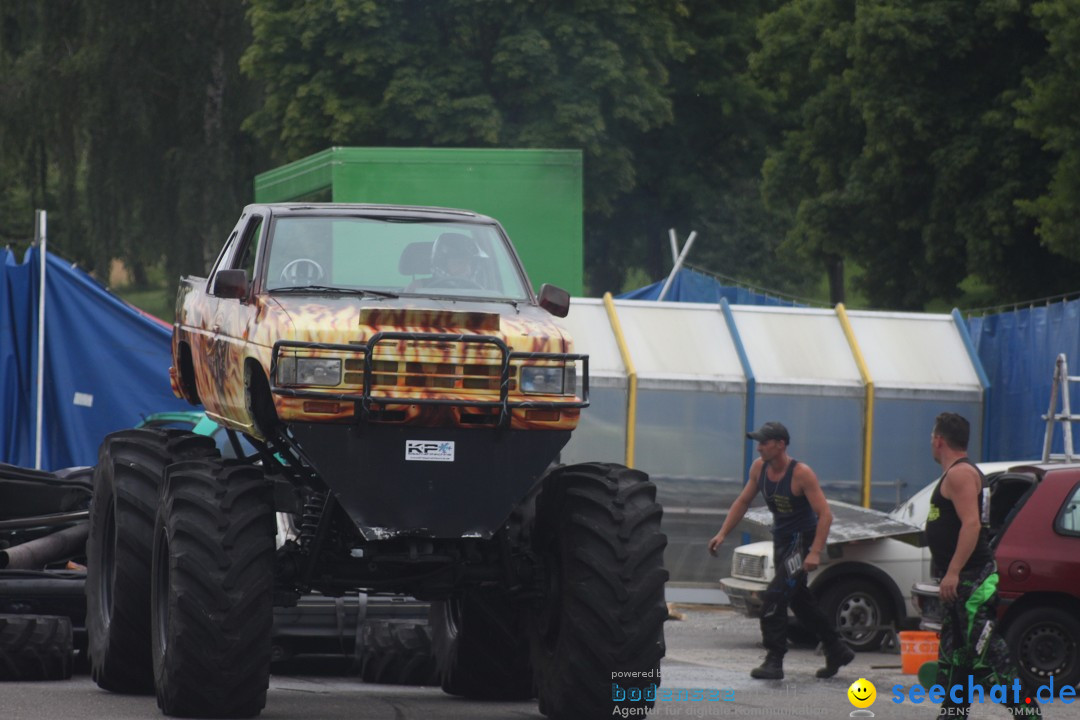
(365, 398)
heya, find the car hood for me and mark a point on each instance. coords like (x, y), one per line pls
(852, 522)
(346, 319)
(906, 523)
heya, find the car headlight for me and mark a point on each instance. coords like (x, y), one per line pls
(549, 380)
(309, 371)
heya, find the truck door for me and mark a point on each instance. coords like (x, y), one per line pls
(228, 330)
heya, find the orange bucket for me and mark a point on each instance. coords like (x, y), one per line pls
(917, 647)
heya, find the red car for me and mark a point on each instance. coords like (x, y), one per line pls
(1035, 530)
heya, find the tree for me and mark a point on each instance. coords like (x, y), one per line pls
(937, 83)
(40, 146)
(167, 164)
(122, 119)
(804, 64)
(1051, 114)
(480, 73)
(903, 152)
(702, 172)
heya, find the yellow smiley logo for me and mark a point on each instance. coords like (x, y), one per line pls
(862, 693)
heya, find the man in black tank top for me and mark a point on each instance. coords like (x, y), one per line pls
(801, 520)
(970, 651)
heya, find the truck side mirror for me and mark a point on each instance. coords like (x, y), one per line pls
(555, 300)
(231, 284)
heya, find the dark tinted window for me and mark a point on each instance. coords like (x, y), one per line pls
(1068, 520)
(250, 251)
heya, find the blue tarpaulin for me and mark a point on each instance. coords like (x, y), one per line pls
(1018, 350)
(692, 286)
(106, 364)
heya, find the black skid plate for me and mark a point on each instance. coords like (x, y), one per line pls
(396, 480)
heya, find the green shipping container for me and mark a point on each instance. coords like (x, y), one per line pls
(535, 194)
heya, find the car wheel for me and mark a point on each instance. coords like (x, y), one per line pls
(859, 611)
(1045, 641)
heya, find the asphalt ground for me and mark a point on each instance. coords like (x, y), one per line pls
(712, 649)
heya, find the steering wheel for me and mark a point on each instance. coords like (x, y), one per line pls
(302, 271)
(450, 281)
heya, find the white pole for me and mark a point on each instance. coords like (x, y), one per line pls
(41, 339)
(674, 245)
(678, 264)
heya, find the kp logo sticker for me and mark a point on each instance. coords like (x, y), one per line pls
(429, 450)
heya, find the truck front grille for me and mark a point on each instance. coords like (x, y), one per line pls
(749, 566)
(428, 375)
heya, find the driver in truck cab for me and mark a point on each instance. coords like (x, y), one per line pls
(455, 256)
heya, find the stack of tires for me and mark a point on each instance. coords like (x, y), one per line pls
(35, 647)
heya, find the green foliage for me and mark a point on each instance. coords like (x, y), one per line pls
(466, 73)
(159, 302)
(167, 167)
(804, 64)
(932, 145)
(702, 172)
(121, 118)
(40, 90)
(1051, 113)
(903, 152)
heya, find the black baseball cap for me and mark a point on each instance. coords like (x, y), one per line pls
(770, 431)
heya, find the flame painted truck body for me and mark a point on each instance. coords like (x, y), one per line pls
(408, 420)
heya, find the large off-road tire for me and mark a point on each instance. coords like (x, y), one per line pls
(211, 590)
(397, 652)
(597, 531)
(131, 464)
(480, 647)
(859, 610)
(35, 647)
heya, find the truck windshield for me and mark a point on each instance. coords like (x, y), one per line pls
(400, 257)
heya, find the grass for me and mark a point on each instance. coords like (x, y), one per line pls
(159, 302)
(155, 295)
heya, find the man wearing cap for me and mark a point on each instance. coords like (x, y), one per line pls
(801, 520)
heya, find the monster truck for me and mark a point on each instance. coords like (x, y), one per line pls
(408, 396)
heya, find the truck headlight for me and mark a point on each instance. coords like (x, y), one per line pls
(570, 379)
(549, 380)
(309, 371)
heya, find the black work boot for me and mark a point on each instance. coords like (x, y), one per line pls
(771, 669)
(836, 656)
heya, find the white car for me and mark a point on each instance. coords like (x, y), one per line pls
(865, 579)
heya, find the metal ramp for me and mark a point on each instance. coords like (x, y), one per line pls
(1060, 387)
